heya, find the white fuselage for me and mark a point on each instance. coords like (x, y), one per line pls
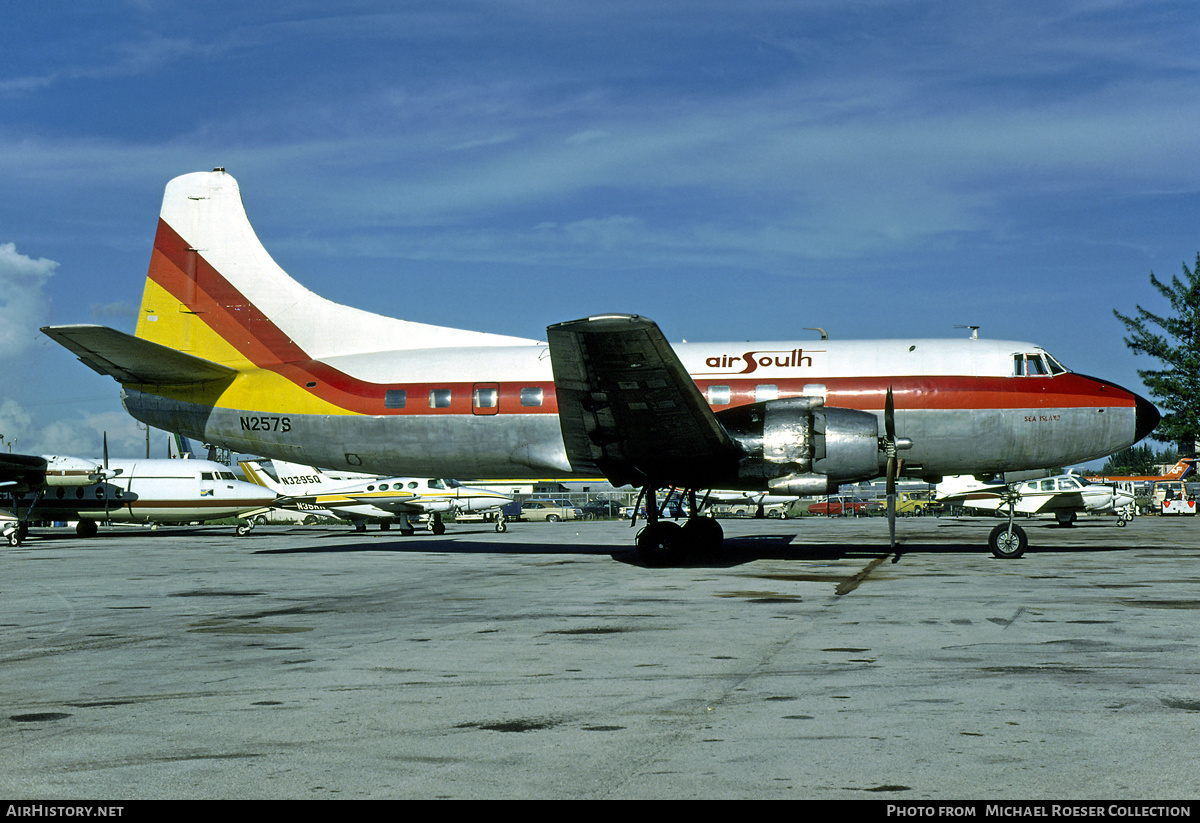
(150, 491)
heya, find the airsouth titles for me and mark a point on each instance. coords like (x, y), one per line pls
(1024, 810)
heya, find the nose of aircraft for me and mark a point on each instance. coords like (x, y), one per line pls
(1146, 417)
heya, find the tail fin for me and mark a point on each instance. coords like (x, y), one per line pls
(297, 479)
(214, 292)
(255, 473)
(1179, 469)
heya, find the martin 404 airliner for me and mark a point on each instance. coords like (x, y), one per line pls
(229, 349)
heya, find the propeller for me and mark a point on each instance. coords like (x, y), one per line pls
(891, 444)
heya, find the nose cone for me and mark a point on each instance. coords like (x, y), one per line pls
(1147, 417)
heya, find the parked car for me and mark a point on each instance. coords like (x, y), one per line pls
(550, 511)
(845, 504)
(675, 508)
(601, 508)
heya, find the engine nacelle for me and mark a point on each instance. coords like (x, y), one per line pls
(797, 446)
(72, 471)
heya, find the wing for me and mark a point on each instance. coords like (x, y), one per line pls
(132, 360)
(976, 497)
(408, 504)
(21, 470)
(630, 411)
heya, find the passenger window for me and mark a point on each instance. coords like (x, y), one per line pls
(485, 398)
(765, 392)
(531, 397)
(412, 484)
(439, 399)
(719, 396)
(395, 398)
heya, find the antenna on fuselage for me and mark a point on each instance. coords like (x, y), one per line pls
(974, 331)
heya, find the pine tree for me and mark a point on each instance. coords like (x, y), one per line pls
(1175, 386)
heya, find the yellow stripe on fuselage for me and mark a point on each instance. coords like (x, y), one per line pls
(163, 319)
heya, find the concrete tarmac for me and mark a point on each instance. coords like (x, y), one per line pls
(802, 662)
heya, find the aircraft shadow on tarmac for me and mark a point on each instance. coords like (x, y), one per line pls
(736, 551)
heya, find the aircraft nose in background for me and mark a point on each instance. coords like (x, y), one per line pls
(1147, 417)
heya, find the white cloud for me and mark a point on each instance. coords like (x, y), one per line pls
(23, 303)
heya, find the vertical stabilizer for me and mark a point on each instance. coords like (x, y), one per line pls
(214, 292)
(296, 479)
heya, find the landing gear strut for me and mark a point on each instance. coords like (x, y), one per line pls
(1008, 541)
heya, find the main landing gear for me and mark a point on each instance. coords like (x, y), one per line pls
(663, 542)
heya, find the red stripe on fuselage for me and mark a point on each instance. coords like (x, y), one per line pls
(186, 275)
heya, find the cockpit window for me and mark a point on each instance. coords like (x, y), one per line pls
(1036, 364)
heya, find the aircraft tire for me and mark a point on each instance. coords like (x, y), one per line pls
(86, 528)
(501, 526)
(659, 544)
(702, 534)
(243, 529)
(1006, 545)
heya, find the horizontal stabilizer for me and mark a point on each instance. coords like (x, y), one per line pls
(132, 360)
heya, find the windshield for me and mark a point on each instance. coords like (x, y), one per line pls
(1034, 364)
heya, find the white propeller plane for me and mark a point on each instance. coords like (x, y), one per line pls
(120, 491)
(377, 499)
(229, 349)
(1064, 496)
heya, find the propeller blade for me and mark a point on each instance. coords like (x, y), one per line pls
(889, 424)
(889, 416)
(891, 501)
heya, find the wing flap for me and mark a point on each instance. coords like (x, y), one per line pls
(133, 360)
(629, 409)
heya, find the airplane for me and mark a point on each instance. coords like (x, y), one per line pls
(380, 499)
(120, 491)
(230, 349)
(1064, 496)
(1183, 467)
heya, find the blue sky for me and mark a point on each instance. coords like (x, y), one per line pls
(734, 170)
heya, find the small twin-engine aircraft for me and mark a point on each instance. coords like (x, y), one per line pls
(1064, 496)
(229, 349)
(120, 491)
(384, 500)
